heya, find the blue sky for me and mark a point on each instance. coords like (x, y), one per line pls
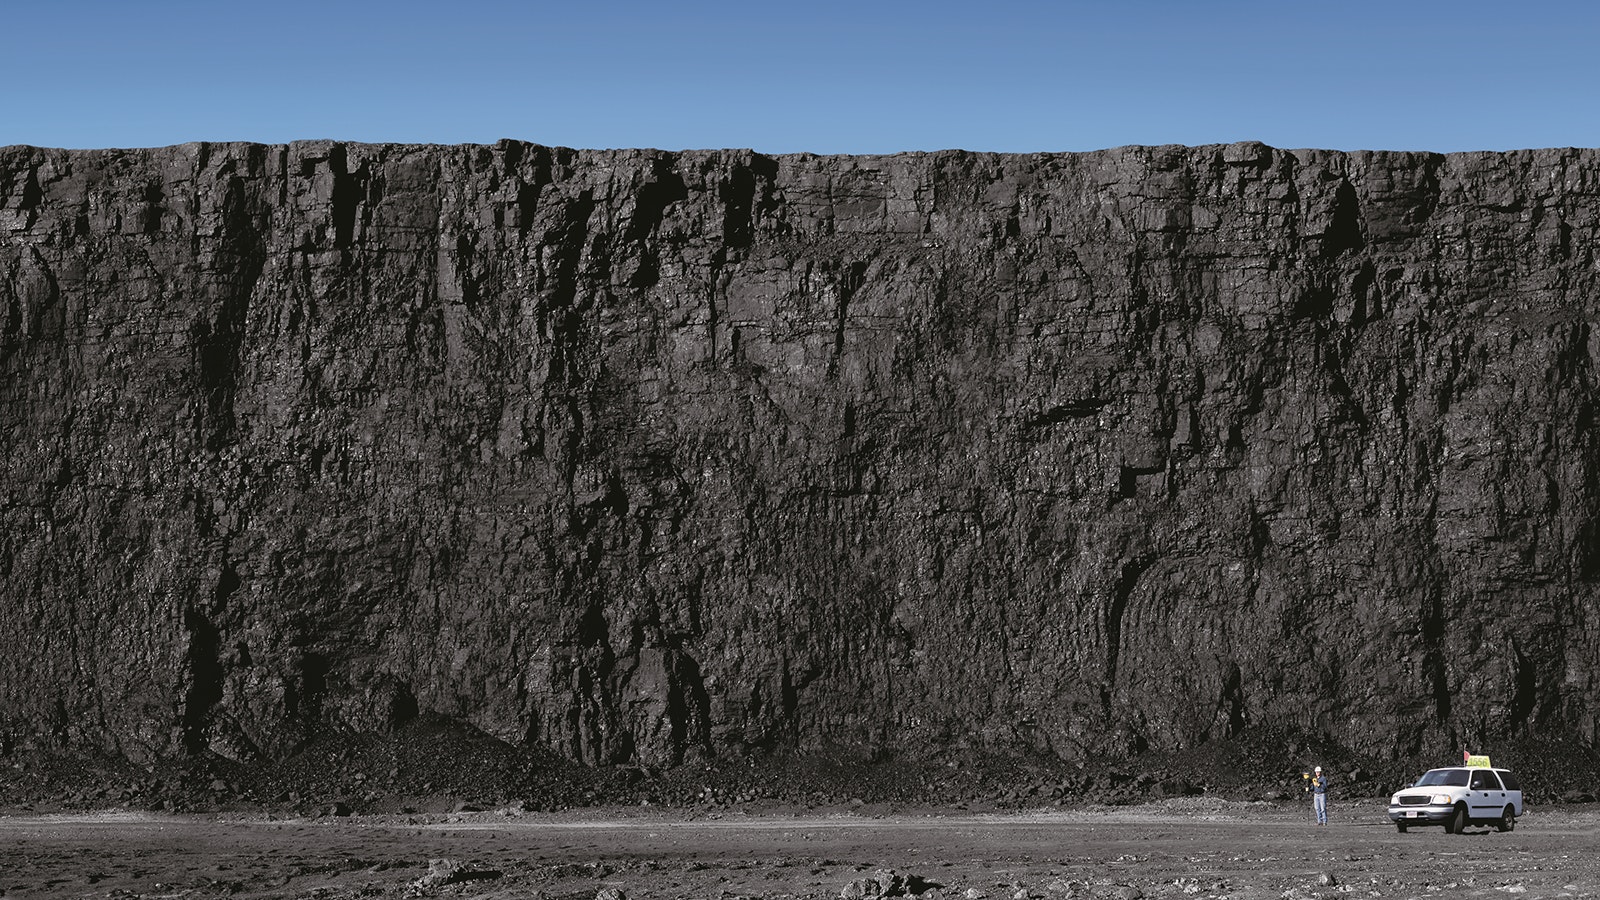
(823, 77)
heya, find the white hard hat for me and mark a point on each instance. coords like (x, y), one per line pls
(1319, 768)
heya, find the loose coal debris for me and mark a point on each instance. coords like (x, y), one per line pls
(435, 765)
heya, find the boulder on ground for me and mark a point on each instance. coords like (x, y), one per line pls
(884, 883)
(443, 872)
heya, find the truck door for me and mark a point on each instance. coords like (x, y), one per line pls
(1486, 797)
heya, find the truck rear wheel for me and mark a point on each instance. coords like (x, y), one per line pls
(1508, 820)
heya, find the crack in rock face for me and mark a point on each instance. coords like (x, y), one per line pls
(645, 456)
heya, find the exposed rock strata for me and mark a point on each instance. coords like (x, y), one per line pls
(634, 454)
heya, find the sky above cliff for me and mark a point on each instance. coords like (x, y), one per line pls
(825, 76)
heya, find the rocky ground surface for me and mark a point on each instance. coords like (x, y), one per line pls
(1197, 847)
(437, 810)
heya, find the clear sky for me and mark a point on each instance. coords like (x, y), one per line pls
(825, 76)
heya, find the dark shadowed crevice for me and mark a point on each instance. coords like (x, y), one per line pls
(402, 706)
(850, 281)
(1434, 662)
(599, 735)
(1128, 480)
(241, 258)
(527, 205)
(205, 675)
(466, 260)
(738, 195)
(789, 696)
(651, 207)
(154, 208)
(559, 314)
(746, 196)
(1585, 500)
(1314, 302)
(688, 706)
(1232, 701)
(1082, 408)
(592, 628)
(1344, 231)
(203, 662)
(32, 193)
(349, 188)
(304, 702)
(11, 331)
(1366, 302)
(1525, 693)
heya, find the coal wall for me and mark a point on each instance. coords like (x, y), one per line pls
(634, 454)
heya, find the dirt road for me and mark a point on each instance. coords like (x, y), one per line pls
(1192, 848)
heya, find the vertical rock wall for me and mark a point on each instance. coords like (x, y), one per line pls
(636, 454)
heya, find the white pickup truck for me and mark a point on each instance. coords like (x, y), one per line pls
(1457, 797)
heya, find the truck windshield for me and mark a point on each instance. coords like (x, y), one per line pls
(1449, 777)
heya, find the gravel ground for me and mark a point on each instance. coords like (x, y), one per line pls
(1199, 847)
(435, 809)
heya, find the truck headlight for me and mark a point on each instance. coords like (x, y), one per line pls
(1440, 799)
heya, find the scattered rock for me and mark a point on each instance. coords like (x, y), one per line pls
(882, 883)
(443, 872)
(610, 893)
(1326, 879)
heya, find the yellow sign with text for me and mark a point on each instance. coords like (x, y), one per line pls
(1478, 762)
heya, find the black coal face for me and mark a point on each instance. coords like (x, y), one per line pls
(642, 457)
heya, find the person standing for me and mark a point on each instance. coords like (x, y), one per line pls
(1319, 795)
